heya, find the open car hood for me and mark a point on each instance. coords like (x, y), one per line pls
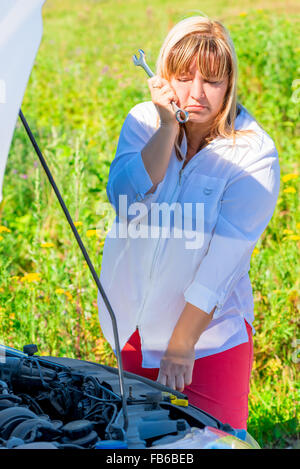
(20, 36)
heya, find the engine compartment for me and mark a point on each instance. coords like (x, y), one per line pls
(71, 403)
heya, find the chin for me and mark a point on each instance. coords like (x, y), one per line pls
(197, 118)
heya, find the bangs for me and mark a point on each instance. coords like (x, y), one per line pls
(211, 55)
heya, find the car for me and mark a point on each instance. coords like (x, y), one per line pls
(60, 402)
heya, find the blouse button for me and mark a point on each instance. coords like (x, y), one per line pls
(207, 191)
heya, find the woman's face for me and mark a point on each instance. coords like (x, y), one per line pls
(193, 92)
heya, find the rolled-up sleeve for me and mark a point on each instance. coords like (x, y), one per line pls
(248, 203)
(128, 175)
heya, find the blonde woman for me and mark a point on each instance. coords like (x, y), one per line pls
(181, 290)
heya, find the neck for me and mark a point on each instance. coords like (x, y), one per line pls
(196, 133)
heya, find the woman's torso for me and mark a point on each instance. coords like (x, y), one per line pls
(145, 277)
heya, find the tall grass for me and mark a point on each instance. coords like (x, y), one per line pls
(81, 88)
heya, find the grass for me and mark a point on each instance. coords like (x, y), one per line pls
(81, 88)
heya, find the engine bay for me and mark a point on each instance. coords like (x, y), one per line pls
(69, 403)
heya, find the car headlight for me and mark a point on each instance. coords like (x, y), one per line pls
(209, 438)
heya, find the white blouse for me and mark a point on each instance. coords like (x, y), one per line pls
(200, 247)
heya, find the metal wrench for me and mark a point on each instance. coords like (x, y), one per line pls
(141, 62)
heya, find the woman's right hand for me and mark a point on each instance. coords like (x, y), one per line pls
(162, 94)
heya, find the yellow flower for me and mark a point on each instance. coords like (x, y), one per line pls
(3, 229)
(68, 295)
(294, 237)
(289, 177)
(298, 226)
(64, 292)
(293, 295)
(47, 245)
(91, 143)
(289, 190)
(255, 251)
(1, 237)
(32, 277)
(1, 290)
(77, 223)
(287, 231)
(243, 13)
(14, 277)
(91, 233)
(274, 364)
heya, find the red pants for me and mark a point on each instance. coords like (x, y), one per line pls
(220, 382)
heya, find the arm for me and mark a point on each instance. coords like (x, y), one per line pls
(156, 154)
(143, 154)
(247, 206)
(176, 367)
(127, 173)
(190, 325)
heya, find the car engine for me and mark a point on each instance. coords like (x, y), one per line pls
(68, 403)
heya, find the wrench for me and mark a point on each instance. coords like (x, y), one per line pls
(141, 62)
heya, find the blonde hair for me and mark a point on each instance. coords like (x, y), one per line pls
(209, 41)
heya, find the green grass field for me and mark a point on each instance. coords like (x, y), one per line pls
(81, 88)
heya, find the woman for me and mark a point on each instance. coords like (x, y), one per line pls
(185, 308)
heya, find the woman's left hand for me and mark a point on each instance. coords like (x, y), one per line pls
(176, 367)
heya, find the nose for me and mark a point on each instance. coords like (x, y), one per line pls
(197, 89)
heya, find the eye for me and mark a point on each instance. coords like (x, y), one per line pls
(184, 78)
(213, 82)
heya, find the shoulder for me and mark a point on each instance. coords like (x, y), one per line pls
(256, 145)
(145, 113)
(140, 124)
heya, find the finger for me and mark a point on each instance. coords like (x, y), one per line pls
(188, 376)
(171, 381)
(164, 81)
(179, 380)
(155, 82)
(162, 379)
(166, 98)
(169, 94)
(159, 81)
(173, 98)
(165, 90)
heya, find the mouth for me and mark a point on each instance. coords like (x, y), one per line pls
(195, 107)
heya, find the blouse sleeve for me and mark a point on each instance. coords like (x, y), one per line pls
(248, 203)
(128, 175)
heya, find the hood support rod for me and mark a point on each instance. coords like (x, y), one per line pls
(89, 263)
